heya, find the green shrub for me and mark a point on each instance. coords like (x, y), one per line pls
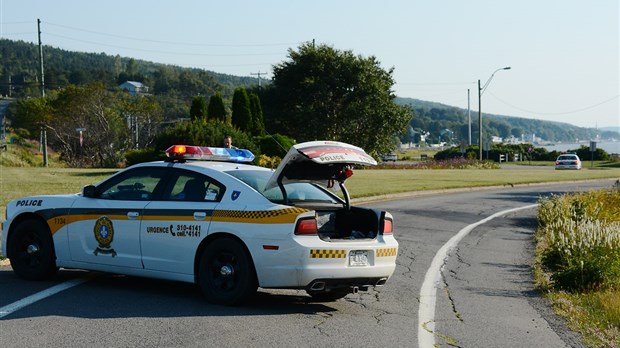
(269, 162)
(143, 155)
(203, 133)
(274, 145)
(580, 235)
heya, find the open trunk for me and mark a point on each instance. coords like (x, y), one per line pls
(348, 224)
(328, 164)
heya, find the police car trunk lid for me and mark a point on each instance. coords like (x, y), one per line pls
(318, 161)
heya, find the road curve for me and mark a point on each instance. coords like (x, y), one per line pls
(486, 296)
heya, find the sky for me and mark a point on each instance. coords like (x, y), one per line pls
(564, 55)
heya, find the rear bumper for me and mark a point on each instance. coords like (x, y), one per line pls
(317, 265)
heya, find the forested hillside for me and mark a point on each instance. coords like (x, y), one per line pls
(447, 121)
(174, 86)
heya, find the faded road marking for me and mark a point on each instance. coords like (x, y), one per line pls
(27, 301)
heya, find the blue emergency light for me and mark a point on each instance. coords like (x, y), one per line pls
(207, 153)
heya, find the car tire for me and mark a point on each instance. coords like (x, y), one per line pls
(226, 273)
(31, 250)
(328, 296)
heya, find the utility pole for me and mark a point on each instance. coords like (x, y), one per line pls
(44, 128)
(41, 59)
(259, 74)
(480, 121)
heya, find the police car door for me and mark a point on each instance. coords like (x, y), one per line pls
(173, 227)
(106, 227)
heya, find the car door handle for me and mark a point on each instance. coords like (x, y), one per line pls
(200, 215)
(133, 215)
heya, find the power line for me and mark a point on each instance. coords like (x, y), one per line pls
(557, 113)
(173, 42)
(166, 52)
(22, 33)
(435, 83)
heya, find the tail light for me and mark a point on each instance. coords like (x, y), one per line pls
(387, 226)
(306, 227)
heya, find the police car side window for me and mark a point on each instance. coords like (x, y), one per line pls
(194, 187)
(139, 184)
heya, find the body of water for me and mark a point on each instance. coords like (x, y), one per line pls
(609, 146)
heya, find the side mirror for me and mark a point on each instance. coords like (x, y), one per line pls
(89, 191)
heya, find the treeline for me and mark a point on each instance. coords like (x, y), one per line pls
(438, 122)
(172, 86)
(329, 107)
(521, 152)
(318, 93)
(91, 126)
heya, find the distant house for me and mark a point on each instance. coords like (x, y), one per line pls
(134, 88)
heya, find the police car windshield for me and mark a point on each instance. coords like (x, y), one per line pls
(297, 192)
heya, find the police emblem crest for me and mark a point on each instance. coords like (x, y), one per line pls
(234, 195)
(104, 234)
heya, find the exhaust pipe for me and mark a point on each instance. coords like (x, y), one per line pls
(317, 286)
(381, 282)
(355, 289)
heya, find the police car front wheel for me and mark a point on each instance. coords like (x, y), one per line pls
(226, 273)
(31, 250)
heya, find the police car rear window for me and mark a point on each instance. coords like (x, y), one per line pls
(296, 192)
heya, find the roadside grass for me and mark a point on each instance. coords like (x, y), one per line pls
(416, 153)
(578, 262)
(18, 182)
(365, 183)
(595, 315)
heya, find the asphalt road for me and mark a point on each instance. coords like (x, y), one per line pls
(485, 296)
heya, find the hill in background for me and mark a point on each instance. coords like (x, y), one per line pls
(174, 87)
(442, 121)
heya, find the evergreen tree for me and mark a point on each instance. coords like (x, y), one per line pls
(198, 110)
(241, 114)
(258, 125)
(216, 109)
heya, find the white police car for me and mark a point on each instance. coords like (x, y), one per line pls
(227, 226)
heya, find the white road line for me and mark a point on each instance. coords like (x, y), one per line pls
(15, 306)
(432, 279)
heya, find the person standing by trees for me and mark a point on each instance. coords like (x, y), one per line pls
(227, 143)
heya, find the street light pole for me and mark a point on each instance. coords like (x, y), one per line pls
(480, 92)
(468, 120)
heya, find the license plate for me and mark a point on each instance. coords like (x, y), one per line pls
(358, 258)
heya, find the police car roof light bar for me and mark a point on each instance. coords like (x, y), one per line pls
(206, 153)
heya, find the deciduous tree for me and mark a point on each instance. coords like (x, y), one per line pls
(95, 111)
(324, 93)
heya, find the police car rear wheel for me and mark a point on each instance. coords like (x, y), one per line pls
(31, 251)
(226, 273)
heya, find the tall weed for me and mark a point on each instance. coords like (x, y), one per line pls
(580, 234)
